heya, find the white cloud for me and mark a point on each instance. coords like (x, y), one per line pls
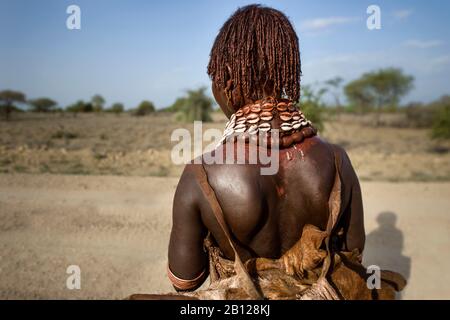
(402, 14)
(423, 44)
(324, 23)
(439, 62)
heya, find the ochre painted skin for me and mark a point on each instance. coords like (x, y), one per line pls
(265, 213)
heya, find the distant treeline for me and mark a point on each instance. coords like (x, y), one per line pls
(376, 92)
(195, 105)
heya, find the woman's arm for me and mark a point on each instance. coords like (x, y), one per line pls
(187, 267)
(352, 219)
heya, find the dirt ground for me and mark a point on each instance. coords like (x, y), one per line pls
(96, 190)
(116, 230)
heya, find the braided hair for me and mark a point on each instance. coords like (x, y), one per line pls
(257, 46)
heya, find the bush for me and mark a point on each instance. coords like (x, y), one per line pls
(441, 123)
(419, 115)
(144, 108)
(116, 108)
(196, 106)
(311, 105)
(80, 106)
(314, 113)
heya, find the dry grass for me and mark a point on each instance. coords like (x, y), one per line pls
(140, 146)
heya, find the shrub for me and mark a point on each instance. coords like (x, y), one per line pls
(419, 115)
(196, 106)
(80, 106)
(441, 123)
(311, 105)
(116, 108)
(144, 108)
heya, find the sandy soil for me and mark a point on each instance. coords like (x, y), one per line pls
(116, 229)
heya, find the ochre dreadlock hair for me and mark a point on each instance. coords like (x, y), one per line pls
(259, 46)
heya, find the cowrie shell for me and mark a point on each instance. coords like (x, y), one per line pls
(255, 109)
(239, 113)
(240, 120)
(266, 116)
(285, 116)
(286, 126)
(264, 127)
(268, 108)
(282, 106)
(252, 118)
(253, 129)
(267, 105)
(246, 109)
(296, 118)
(233, 116)
(296, 125)
(240, 128)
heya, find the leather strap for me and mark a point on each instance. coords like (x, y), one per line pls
(334, 209)
(246, 281)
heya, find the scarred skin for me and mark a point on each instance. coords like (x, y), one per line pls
(265, 213)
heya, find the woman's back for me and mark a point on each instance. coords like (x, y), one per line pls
(266, 213)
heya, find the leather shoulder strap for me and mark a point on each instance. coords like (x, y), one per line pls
(334, 209)
(210, 196)
(335, 199)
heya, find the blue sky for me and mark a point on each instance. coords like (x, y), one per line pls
(134, 50)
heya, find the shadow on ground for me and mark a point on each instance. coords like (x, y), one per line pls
(384, 246)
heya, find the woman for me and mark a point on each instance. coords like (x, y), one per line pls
(255, 71)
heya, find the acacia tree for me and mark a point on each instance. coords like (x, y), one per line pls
(358, 96)
(97, 103)
(42, 104)
(7, 100)
(379, 89)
